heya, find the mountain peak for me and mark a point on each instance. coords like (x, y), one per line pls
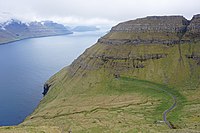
(155, 30)
(12, 21)
(197, 16)
(152, 24)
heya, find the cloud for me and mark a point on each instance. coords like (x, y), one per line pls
(96, 11)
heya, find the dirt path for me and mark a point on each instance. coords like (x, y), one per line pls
(169, 109)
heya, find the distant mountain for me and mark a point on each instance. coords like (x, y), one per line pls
(68, 27)
(14, 30)
(84, 28)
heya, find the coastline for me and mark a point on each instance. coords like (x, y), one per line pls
(64, 38)
(4, 43)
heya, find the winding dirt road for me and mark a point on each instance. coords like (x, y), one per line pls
(168, 110)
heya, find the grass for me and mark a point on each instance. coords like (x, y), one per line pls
(155, 90)
(117, 105)
(30, 129)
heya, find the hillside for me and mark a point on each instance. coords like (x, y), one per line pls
(126, 81)
(14, 30)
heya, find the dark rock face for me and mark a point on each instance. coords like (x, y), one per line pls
(46, 89)
(140, 41)
(193, 30)
(195, 57)
(139, 58)
(153, 24)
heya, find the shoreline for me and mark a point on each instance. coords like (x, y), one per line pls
(4, 43)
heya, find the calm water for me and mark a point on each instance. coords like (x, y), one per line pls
(25, 66)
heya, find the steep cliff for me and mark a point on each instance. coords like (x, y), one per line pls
(127, 79)
(193, 30)
(150, 30)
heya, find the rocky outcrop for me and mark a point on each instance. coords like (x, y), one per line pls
(155, 30)
(46, 89)
(140, 41)
(133, 57)
(195, 57)
(193, 30)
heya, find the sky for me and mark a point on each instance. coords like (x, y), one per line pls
(94, 12)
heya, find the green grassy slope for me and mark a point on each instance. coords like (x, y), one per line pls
(86, 96)
(115, 88)
(112, 105)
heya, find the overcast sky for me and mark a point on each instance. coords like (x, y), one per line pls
(94, 12)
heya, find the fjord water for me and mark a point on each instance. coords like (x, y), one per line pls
(26, 65)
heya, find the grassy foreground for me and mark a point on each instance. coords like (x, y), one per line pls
(122, 105)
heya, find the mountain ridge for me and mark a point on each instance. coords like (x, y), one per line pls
(15, 30)
(167, 30)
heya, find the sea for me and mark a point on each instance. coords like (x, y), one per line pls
(27, 64)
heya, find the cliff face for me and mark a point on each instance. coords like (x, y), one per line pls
(170, 24)
(152, 30)
(120, 83)
(193, 30)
